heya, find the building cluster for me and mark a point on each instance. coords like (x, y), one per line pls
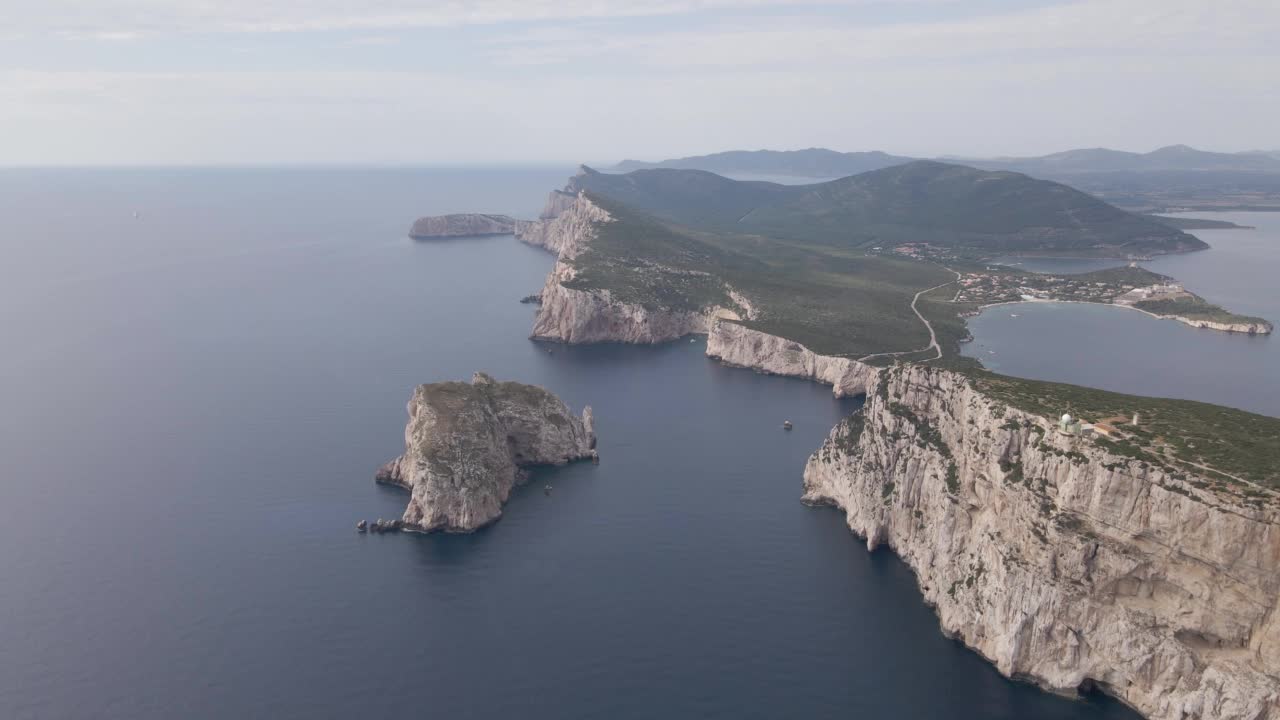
(985, 288)
(1167, 291)
(1075, 427)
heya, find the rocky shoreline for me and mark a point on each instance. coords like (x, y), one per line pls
(1062, 564)
(466, 447)
(1059, 562)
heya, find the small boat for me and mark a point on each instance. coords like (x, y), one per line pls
(546, 490)
(1013, 314)
(786, 425)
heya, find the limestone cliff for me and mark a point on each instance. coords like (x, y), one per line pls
(461, 225)
(465, 445)
(1059, 561)
(574, 315)
(1260, 327)
(734, 344)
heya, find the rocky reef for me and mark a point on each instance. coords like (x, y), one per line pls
(461, 225)
(1062, 563)
(466, 445)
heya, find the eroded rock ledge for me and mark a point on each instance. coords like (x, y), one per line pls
(739, 346)
(461, 225)
(465, 446)
(1058, 561)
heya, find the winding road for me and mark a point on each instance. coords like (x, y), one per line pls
(933, 336)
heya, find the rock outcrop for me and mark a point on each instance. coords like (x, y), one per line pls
(739, 346)
(1248, 328)
(465, 445)
(461, 225)
(574, 315)
(1060, 562)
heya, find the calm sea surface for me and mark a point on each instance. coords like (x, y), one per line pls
(195, 400)
(1123, 350)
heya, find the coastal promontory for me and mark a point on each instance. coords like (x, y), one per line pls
(461, 225)
(467, 444)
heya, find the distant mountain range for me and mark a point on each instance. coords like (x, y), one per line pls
(823, 163)
(813, 163)
(920, 201)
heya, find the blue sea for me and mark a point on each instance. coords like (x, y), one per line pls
(202, 369)
(1123, 350)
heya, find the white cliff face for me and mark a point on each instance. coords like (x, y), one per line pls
(736, 345)
(465, 445)
(588, 316)
(568, 232)
(1059, 562)
(1247, 328)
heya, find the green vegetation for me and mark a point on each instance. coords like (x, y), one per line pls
(833, 301)
(1186, 223)
(1239, 443)
(1196, 308)
(918, 202)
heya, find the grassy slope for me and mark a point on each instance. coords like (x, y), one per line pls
(949, 205)
(1196, 308)
(836, 299)
(1237, 442)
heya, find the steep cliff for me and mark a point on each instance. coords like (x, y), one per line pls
(1060, 561)
(734, 344)
(461, 225)
(466, 443)
(577, 315)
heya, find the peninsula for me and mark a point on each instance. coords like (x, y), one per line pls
(467, 444)
(1133, 548)
(1133, 287)
(461, 225)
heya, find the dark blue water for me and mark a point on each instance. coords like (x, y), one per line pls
(1123, 350)
(194, 402)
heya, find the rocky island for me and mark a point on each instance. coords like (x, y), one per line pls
(461, 225)
(467, 444)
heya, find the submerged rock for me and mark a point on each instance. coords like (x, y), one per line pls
(465, 445)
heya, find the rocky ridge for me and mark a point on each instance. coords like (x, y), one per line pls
(461, 225)
(586, 316)
(1058, 561)
(466, 445)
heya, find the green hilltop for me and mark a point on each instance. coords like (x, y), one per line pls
(923, 201)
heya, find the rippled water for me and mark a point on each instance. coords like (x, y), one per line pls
(194, 402)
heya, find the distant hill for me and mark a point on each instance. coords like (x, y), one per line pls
(813, 163)
(1173, 157)
(922, 201)
(823, 163)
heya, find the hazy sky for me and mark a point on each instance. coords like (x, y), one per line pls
(497, 81)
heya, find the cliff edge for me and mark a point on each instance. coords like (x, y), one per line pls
(465, 445)
(1060, 560)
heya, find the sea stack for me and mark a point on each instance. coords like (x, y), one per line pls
(466, 445)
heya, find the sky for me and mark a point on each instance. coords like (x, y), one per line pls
(235, 82)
